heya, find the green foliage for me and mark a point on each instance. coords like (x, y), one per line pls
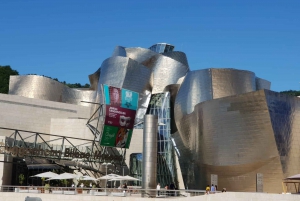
(21, 178)
(5, 72)
(43, 180)
(291, 92)
(47, 187)
(64, 182)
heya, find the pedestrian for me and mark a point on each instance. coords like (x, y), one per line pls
(158, 188)
(213, 189)
(207, 190)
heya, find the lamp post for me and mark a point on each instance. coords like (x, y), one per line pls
(106, 164)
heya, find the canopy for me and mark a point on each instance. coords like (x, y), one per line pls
(65, 176)
(46, 175)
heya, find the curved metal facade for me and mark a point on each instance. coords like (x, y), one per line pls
(39, 87)
(239, 136)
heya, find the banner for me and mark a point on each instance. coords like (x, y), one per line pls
(121, 106)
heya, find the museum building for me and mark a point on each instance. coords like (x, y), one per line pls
(216, 125)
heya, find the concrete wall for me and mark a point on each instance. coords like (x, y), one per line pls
(35, 115)
(71, 128)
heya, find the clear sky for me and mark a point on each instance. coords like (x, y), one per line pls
(69, 39)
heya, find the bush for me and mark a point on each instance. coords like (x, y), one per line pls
(47, 187)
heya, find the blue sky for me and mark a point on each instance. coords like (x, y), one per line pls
(69, 39)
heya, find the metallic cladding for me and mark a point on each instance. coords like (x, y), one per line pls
(166, 71)
(40, 87)
(119, 51)
(228, 82)
(139, 54)
(262, 84)
(94, 79)
(178, 56)
(124, 72)
(238, 136)
(35, 86)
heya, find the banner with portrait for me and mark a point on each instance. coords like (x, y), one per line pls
(120, 111)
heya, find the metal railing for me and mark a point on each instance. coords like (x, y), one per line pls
(121, 192)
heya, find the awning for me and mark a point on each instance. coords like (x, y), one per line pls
(40, 163)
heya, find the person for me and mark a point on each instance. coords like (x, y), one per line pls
(216, 187)
(73, 185)
(207, 190)
(158, 188)
(115, 96)
(81, 185)
(213, 189)
(91, 185)
(172, 187)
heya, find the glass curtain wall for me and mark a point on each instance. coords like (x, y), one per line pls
(166, 170)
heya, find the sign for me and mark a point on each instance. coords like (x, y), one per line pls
(121, 106)
(259, 182)
(16, 151)
(214, 179)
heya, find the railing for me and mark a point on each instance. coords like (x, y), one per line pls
(131, 191)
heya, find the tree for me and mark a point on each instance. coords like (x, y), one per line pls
(291, 92)
(21, 178)
(5, 72)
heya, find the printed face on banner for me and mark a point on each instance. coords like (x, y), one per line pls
(115, 96)
(121, 106)
(119, 117)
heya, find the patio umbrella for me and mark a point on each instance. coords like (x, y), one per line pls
(88, 178)
(65, 176)
(110, 176)
(127, 178)
(46, 175)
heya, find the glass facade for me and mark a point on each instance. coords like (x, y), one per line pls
(162, 48)
(166, 170)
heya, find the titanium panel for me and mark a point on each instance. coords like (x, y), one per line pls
(239, 136)
(195, 88)
(75, 96)
(39, 87)
(262, 84)
(228, 82)
(35, 86)
(139, 54)
(94, 79)
(119, 51)
(178, 56)
(124, 72)
(166, 71)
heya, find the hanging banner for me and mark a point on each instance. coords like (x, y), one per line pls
(121, 106)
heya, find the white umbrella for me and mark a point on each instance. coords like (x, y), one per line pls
(65, 176)
(110, 176)
(88, 178)
(127, 178)
(46, 175)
